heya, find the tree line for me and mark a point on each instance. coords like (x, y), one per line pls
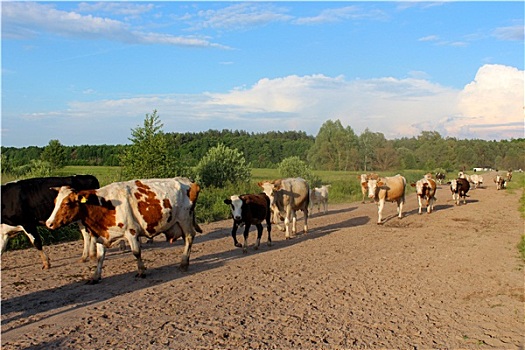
(334, 148)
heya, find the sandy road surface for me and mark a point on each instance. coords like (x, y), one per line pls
(452, 279)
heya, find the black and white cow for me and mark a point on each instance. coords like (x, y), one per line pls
(459, 188)
(247, 210)
(28, 203)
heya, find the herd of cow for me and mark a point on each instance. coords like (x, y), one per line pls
(126, 211)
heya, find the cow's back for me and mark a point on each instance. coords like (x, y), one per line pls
(394, 188)
(463, 185)
(295, 192)
(155, 205)
(32, 200)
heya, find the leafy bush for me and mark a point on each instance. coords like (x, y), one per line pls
(295, 167)
(222, 165)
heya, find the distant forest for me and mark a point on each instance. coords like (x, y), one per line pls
(334, 148)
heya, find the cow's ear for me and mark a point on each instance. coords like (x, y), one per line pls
(228, 201)
(380, 183)
(413, 185)
(82, 198)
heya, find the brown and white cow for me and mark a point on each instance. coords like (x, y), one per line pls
(509, 175)
(459, 188)
(130, 210)
(318, 196)
(363, 178)
(440, 177)
(247, 210)
(391, 189)
(500, 182)
(426, 191)
(287, 196)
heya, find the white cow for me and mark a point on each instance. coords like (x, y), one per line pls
(476, 179)
(318, 196)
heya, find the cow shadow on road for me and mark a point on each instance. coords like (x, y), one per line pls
(40, 305)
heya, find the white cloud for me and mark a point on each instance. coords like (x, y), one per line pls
(28, 19)
(493, 103)
(490, 107)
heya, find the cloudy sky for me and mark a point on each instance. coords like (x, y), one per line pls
(89, 72)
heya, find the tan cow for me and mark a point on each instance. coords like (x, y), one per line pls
(364, 183)
(287, 196)
(391, 189)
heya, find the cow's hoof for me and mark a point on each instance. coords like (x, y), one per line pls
(380, 223)
(183, 268)
(93, 282)
(269, 244)
(256, 248)
(238, 245)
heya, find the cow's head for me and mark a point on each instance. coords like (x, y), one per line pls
(420, 187)
(373, 187)
(67, 207)
(235, 203)
(271, 189)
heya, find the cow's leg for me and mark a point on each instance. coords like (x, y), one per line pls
(287, 222)
(101, 255)
(37, 242)
(189, 235)
(294, 222)
(400, 203)
(234, 235)
(380, 206)
(90, 244)
(259, 235)
(245, 236)
(305, 227)
(134, 244)
(276, 216)
(420, 204)
(269, 229)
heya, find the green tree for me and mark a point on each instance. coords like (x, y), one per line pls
(295, 167)
(335, 147)
(222, 165)
(369, 144)
(151, 154)
(55, 154)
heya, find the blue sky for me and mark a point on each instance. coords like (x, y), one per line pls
(89, 72)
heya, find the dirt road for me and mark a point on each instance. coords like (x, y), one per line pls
(451, 279)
